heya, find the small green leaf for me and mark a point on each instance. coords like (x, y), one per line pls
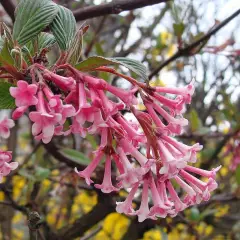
(41, 173)
(31, 18)
(94, 62)
(178, 29)
(195, 121)
(6, 100)
(23, 172)
(75, 156)
(195, 214)
(64, 27)
(5, 55)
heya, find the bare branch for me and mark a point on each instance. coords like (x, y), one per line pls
(104, 207)
(9, 7)
(114, 7)
(187, 50)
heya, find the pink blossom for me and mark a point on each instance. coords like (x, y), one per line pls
(44, 122)
(65, 83)
(186, 92)
(106, 185)
(126, 206)
(5, 166)
(132, 174)
(18, 112)
(188, 151)
(178, 204)
(5, 126)
(143, 211)
(129, 149)
(24, 94)
(126, 96)
(132, 134)
(87, 172)
(159, 208)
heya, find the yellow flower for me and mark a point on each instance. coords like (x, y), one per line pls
(1, 196)
(153, 234)
(222, 210)
(115, 225)
(86, 201)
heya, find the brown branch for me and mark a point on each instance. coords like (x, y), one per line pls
(187, 50)
(104, 207)
(53, 150)
(114, 7)
(9, 7)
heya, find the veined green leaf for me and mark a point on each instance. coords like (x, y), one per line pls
(96, 61)
(75, 49)
(32, 16)
(6, 100)
(63, 27)
(75, 156)
(45, 40)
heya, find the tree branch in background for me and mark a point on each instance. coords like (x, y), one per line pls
(9, 7)
(53, 150)
(105, 206)
(114, 7)
(187, 50)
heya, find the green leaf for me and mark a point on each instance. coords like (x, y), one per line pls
(237, 174)
(31, 18)
(178, 29)
(96, 61)
(5, 55)
(45, 41)
(75, 156)
(23, 172)
(195, 121)
(64, 27)
(41, 173)
(76, 48)
(195, 214)
(6, 100)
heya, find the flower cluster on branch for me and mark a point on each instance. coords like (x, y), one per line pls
(148, 159)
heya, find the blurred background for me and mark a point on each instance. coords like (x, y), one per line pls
(151, 35)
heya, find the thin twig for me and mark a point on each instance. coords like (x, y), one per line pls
(187, 50)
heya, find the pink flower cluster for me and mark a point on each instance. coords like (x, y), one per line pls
(6, 156)
(147, 157)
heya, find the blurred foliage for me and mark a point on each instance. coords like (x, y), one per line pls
(53, 190)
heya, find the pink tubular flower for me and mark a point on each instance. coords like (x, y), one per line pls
(186, 92)
(5, 166)
(18, 112)
(131, 174)
(65, 83)
(87, 172)
(132, 134)
(5, 126)
(56, 105)
(143, 211)
(189, 152)
(178, 204)
(24, 94)
(126, 96)
(126, 206)
(44, 122)
(106, 185)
